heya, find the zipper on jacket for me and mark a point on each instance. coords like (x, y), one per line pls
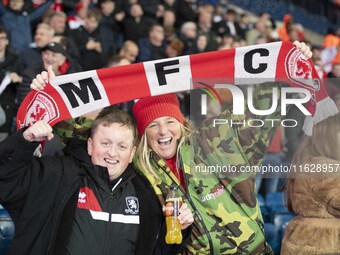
(110, 206)
(199, 216)
(116, 185)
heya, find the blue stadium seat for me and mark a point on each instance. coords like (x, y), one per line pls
(260, 199)
(265, 211)
(274, 199)
(272, 237)
(277, 210)
(6, 231)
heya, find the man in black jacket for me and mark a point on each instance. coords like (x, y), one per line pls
(92, 201)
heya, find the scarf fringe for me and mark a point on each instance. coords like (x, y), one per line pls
(324, 109)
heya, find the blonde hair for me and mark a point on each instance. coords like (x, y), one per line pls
(144, 151)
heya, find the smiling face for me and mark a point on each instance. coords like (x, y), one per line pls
(112, 146)
(162, 135)
(52, 58)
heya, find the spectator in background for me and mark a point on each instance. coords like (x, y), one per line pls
(227, 42)
(290, 31)
(296, 32)
(229, 25)
(53, 54)
(319, 67)
(186, 10)
(285, 27)
(333, 81)
(150, 8)
(245, 25)
(70, 46)
(59, 5)
(169, 4)
(43, 35)
(174, 48)
(258, 32)
(201, 43)
(168, 19)
(110, 33)
(89, 42)
(10, 64)
(57, 20)
(136, 25)
(78, 20)
(129, 50)
(331, 40)
(188, 35)
(117, 61)
(152, 47)
(18, 22)
(315, 195)
(205, 23)
(168, 22)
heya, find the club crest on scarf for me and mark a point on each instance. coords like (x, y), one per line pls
(299, 70)
(41, 107)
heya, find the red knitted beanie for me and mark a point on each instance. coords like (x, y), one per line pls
(148, 109)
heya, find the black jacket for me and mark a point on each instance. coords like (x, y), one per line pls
(41, 195)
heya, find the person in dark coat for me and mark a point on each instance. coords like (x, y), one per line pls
(92, 201)
(89, 42)
(10, 64)
(53, 54)
(18, 22)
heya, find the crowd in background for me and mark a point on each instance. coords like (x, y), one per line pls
(73, 36)
(79, 36)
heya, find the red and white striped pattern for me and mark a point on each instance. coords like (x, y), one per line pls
(279, 61)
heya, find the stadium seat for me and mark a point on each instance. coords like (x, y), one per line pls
(260, 199)
(272, 237)
(6, 231)
(274, 199)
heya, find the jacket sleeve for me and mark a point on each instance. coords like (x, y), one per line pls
(163, 248)
(15, 157)
(37, 13)
(28, 181)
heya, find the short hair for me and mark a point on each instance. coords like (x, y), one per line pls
(58, 14)
(94, 13)
(110, 115)
(116, 60)
(153, 25)
(128, 43)
(231, 11)
(177, 45)
(3, 31)
(47, 27)
(188, 25)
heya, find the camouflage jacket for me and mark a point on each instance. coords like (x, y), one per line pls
(219, 191)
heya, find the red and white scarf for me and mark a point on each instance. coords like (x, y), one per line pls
(72, 95)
